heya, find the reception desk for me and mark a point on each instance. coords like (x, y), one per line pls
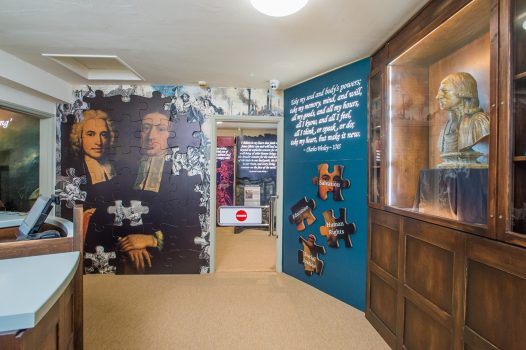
(40, 287)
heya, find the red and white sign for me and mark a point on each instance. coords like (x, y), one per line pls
(240, 216)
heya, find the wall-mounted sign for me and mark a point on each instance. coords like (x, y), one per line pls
(257, 156)
(252, 195)
(225, 170)
(240, 216)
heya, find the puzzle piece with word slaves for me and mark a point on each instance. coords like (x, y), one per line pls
(336, 229)
(330, 182)
(302, 210)
(309, 255)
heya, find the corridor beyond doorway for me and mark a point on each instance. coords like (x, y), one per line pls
(249, 250)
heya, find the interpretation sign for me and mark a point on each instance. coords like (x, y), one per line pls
(324, 119)
(257, 156)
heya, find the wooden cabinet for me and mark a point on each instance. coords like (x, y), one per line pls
(447, 222)
(61, 327)
(512, 195)
(54, 331)
(431, 287)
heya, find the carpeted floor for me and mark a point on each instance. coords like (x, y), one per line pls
(249, 250)
(236, 310)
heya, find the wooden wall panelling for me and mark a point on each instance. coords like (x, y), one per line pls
(379, 58)
(421, 331)
(382, 284)
(400, 298)
(427, 19)
(384, 243)
(496, 286)
(495, 86)
(383, 302)
(433, 278)
(511, 132)
(429, 272)
(505, 125)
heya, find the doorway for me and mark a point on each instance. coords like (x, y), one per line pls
(249, 248)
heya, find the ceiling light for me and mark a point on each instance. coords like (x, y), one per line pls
(524, 25)
(278, 8)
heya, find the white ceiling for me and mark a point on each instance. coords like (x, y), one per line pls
(226, 43)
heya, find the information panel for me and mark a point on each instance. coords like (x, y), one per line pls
(257, 156)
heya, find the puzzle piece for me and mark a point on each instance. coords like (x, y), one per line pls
(68, 188)
(302, 210)
(100, 261)
(133, 212)
(309, 255)
(336, 229)
(330, 182)
(186, 133)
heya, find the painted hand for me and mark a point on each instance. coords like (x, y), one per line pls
(137, 241)
(139, 258)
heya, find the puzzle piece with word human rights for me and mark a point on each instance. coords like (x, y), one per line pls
(330, 182)
(302, 210)
(336, 229)
(309, 255)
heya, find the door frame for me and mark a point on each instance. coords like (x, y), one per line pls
(279, 122)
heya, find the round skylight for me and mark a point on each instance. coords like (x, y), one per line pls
(278, 8)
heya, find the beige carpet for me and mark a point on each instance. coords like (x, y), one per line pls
(250, 310)
(250, 250)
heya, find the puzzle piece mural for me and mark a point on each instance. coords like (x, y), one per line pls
(336, 229)
(309, 255)
(302, 210)
(155, 233)
(141, 157)
(330, 182)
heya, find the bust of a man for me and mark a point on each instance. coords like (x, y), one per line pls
(467, 124)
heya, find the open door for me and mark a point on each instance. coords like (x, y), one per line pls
(243, 241)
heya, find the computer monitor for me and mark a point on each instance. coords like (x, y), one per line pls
(36, 216)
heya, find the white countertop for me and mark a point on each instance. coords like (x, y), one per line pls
(11, 218)
(30, 286)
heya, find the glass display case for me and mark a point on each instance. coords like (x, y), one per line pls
(518, 116)
(375, 138)
(438, 103)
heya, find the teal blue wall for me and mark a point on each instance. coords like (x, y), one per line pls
(326, 122)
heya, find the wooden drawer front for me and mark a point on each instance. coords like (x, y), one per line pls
(423, 332)
(496, 305)
(383, 302)
(429, 271)
(384, 248)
